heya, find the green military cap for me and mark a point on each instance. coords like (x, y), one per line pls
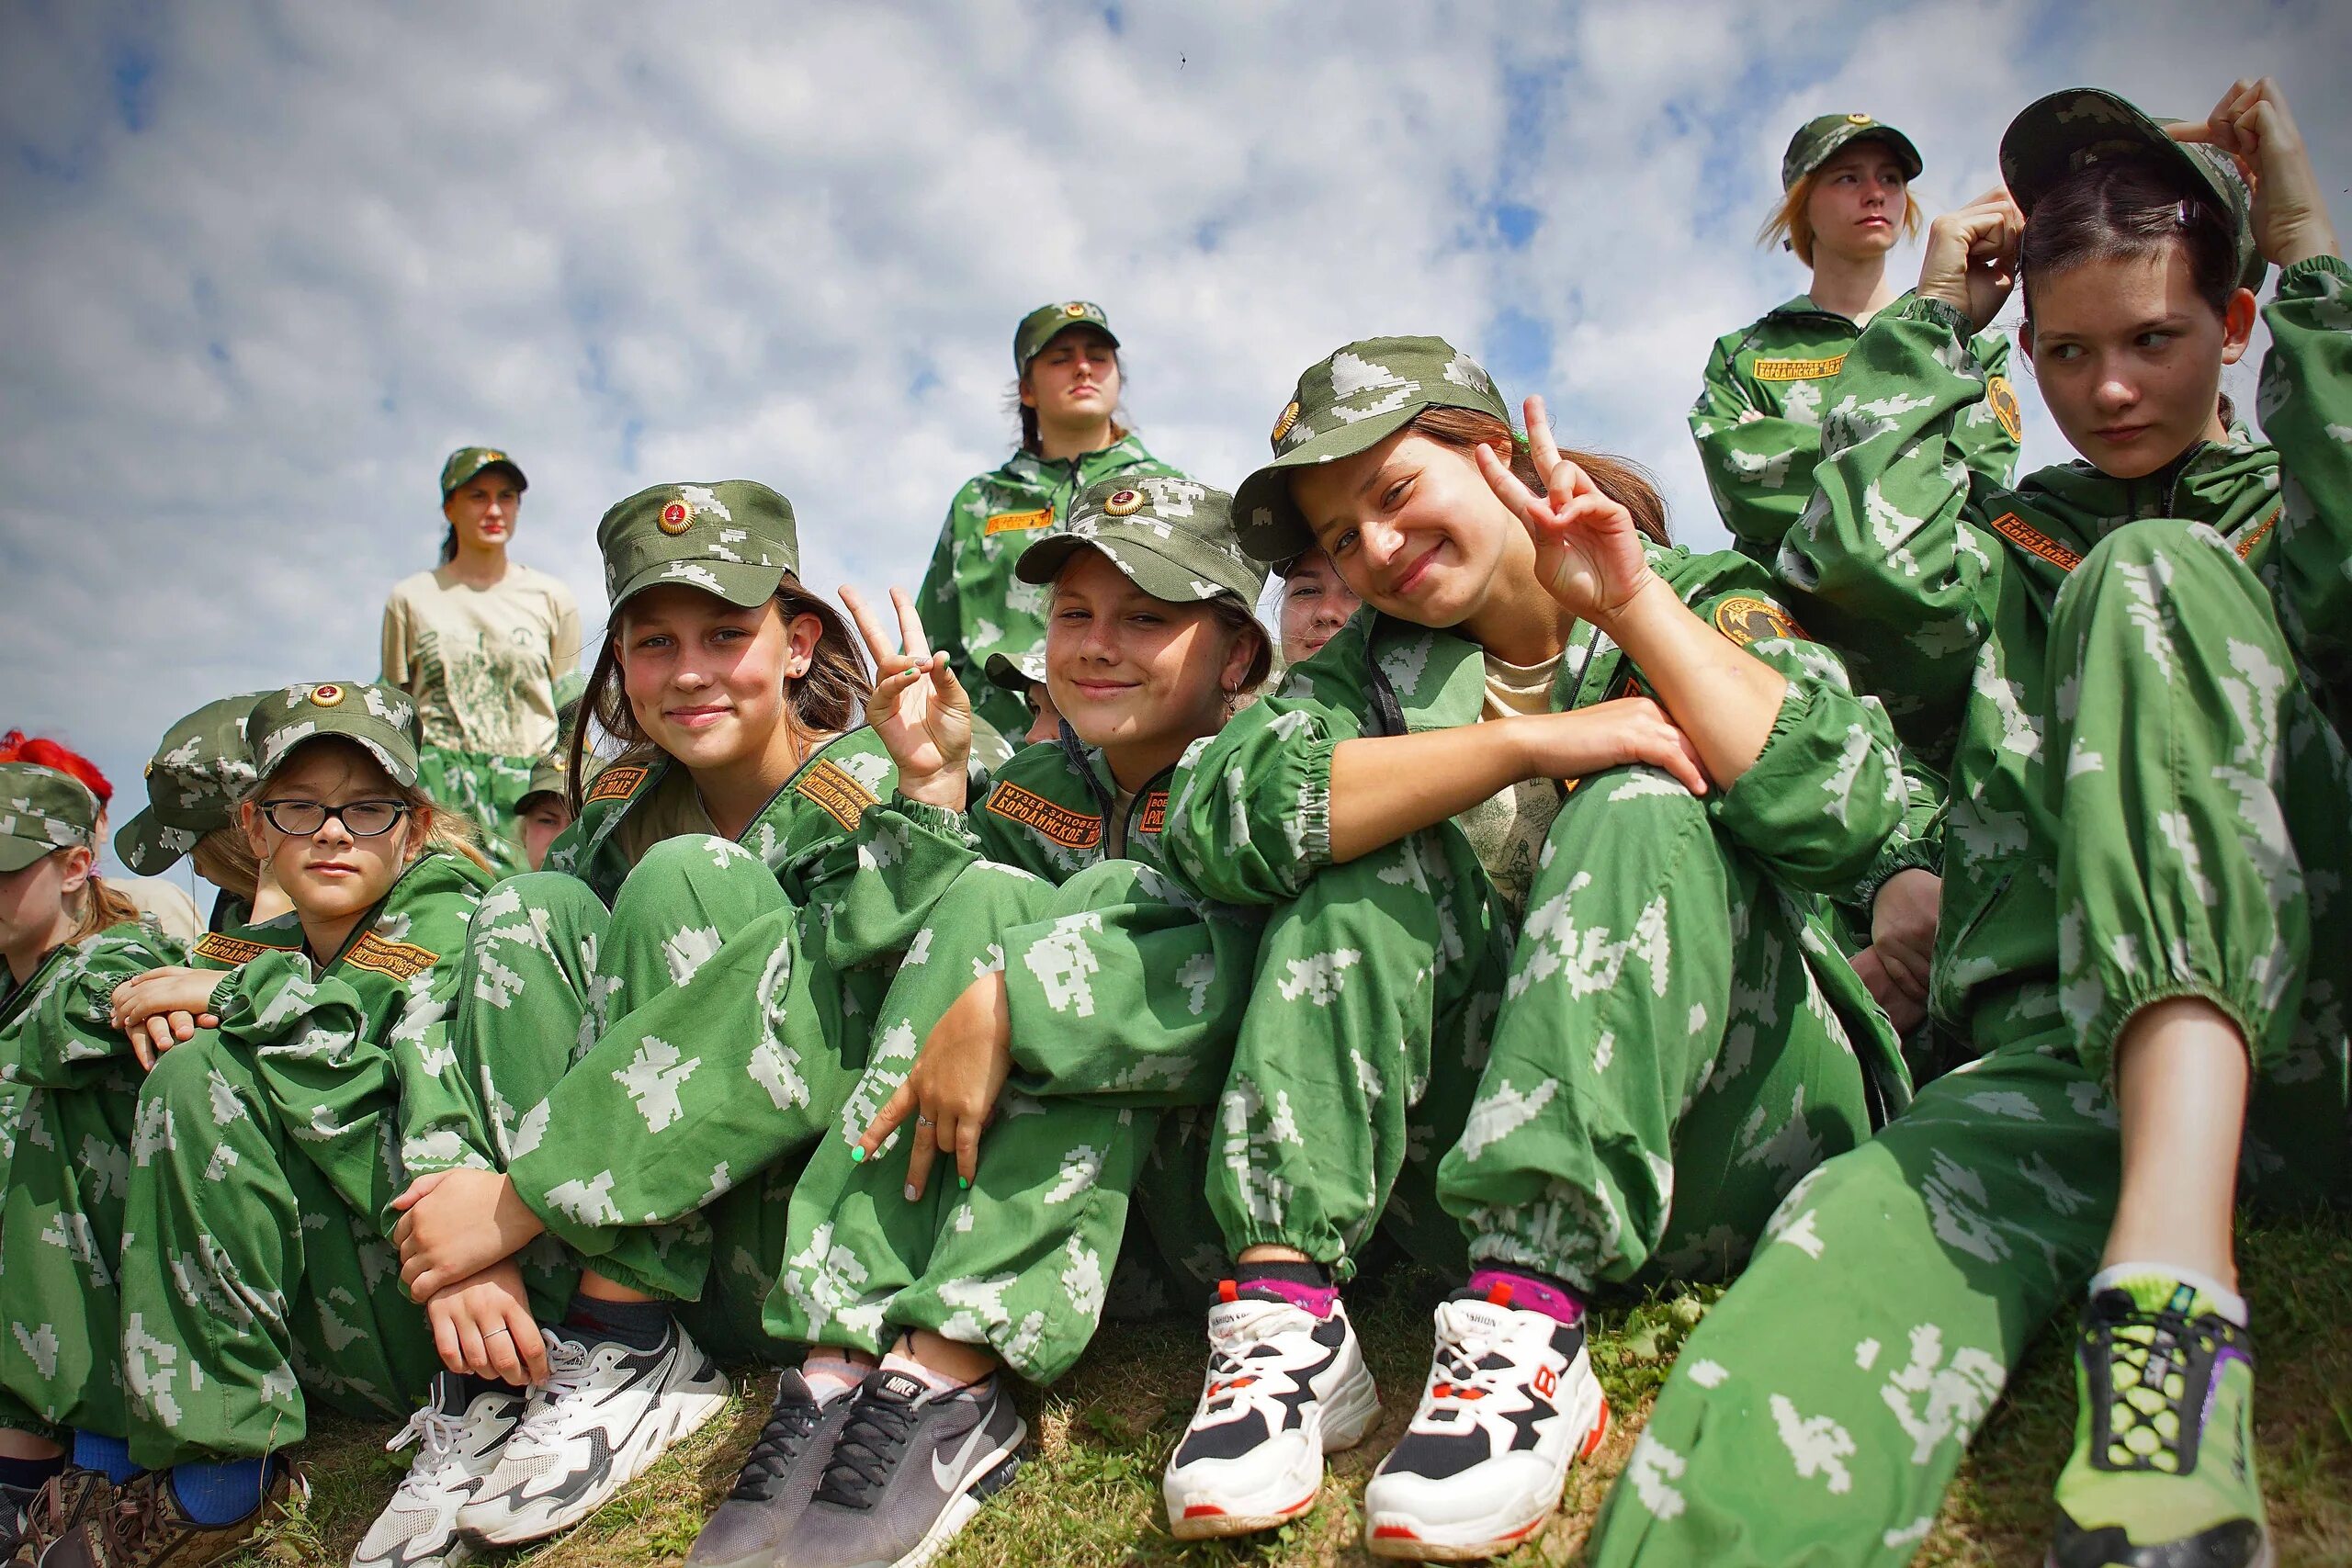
(1820, 137)
(1172, 537)
(194, 782)
(1351, 401)
(42, 811)
(731, 537)
(549, 777)
(1047, 322)
(2067, 131)
(467, 461)
(378, 717)
(1007, 674)
(569, 687)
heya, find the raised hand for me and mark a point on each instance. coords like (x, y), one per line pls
(2251, 124)
(1589, 555)
(918, 708)
(1971, 258)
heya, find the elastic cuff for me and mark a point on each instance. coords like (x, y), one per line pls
(2096, 1048)
(938, 819)
(1319, 1249)
(1913, 855)
(1917, 307)
(1509, 1252)
(1315, 805)
(2314, 264)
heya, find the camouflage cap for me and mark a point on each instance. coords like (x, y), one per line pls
(194, 782)
(1008, 674)
(1047, 322)
(549, 777)
(734, 538)
(42, 811)
(378, 717)
(467, 461)
(1171, 536)
(1353, 401)
(2054, 137)
(1820, 137)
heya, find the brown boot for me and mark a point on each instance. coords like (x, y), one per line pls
(148, 1529)
(71, 1495)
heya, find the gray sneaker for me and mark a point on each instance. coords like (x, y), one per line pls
(911, 1465)
(777, 1477)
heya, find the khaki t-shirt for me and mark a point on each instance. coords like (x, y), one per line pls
(1507, 831)
(166, 904)
(670, 808)
(483, 662)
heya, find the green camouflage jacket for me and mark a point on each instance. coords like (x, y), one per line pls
(1942, 581)
(54, 1029)
(972, 605)
(1758, 420)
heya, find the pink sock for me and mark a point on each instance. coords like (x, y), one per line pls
(910, 1367)
(1526, 1293)
(1316, 1300)
(830, 1377)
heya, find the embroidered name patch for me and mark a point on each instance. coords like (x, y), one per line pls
(2034, 542)
(1072, 829)
(230, 950)
(1155, 813)
(2262, 531)
(617, 783)
(841, 798)
(1747, 620)
(1797, 369)
(1013, 522)
(401, 960)
(2004, 400)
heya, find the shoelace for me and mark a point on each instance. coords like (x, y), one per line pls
(1457, 1358)
(1230, 1369)
(866, 1452)
(2154, 1348)
(567, 1375)
(439, 1434)
(788, 1427)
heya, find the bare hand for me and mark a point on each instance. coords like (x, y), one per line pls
(484, 1326)
(2251, 124)
(455, 1224)
(165, 1007)
(918, 709)
(1972, 260)
(1895, 967)
(1589, 555)
(1609, 735)
(952, 1088)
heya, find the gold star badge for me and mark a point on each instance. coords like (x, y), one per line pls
(1858, 120)
(1075, 307)
(675, 518)
(1124, 503)
(326, 696)
(1289, 418)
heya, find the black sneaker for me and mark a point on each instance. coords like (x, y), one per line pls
(910, 1466)
(778, 1479)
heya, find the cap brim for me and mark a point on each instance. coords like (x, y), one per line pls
(17, 853)
(1266, 521)
(740, 584)
(1004, 673)
(403, 774)
(1048, 340)
(1841, 140)
(1138, 553)
(521, 480)
(150, 848)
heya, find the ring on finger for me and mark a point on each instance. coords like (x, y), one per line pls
(508, 1332)
(923, 1120)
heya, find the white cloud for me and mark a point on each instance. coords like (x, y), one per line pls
(267, 263)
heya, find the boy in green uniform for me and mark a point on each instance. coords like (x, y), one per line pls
(1846, 201)
(2139, 655)
(1067, 360)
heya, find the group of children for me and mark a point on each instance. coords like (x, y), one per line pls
(1908, 917)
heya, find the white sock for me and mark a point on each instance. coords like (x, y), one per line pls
(2227, 1302)
(830, 1377)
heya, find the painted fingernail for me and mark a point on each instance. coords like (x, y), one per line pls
(964, 1181)
(911, 1192)
(857, 1154)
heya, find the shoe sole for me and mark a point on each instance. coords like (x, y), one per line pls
(693, 1413)
(1397, 1536)
(984, 1480)
(2269, 1558)
(1343, 1427)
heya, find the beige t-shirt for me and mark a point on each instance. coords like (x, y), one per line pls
(483, 662)
(1115, 843)
(166, 904)
(1507, 831)
(672, 808)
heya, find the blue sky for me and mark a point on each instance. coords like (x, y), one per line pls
(267, 263)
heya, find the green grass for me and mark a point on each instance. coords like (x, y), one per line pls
(1089, 1493)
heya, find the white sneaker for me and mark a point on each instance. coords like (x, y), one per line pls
(458, 1447)
(605, 1414)
(1511, 1402)
(1284, 1389)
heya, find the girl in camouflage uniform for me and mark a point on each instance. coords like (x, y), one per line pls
(2140, 654)
(1070, 379)
(1063, 984)
(61, 928)
(1599, 1036)
(661, 1024)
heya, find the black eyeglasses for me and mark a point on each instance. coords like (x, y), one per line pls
(360, 818)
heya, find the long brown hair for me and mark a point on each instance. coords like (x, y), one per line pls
(1621, 479)
(828, 700)
(102, 907)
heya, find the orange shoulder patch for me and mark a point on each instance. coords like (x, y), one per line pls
(1797, 369)
(1745, 619)
(830, 786)
(401, 960)
(2034, 542)
(1013, 522)
(1072, 829)
(1154, 816)
(2259, 532)
(617, 783)
(230, 949)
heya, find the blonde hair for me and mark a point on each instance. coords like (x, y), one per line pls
(1790, 226)
(448, 832)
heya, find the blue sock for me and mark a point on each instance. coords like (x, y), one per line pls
(93, 1450)
(220, 1494)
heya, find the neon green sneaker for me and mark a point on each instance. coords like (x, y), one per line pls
(2162, 1474)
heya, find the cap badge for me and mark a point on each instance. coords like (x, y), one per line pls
(1289, 418)
(1124, 503)
(1075, 307)
(675, 518)
(490, 458)
(1858, 120)
(326, 696)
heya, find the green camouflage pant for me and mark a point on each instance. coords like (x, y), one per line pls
(487, 789)
(1023, 1261)
(654, 1073)
(1822, 1407)
(61, 1240)
(1672, 1045)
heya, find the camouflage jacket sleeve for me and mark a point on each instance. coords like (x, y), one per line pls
(1918, 841)
(1759, 464)
(438, 1121)
(886, 876)
(1128, 992)
(1897, 575)
(1984, 443)
(1250, 811)
(2306, 406)
(66, 1036)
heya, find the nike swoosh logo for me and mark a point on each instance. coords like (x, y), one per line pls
(945, 1475)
